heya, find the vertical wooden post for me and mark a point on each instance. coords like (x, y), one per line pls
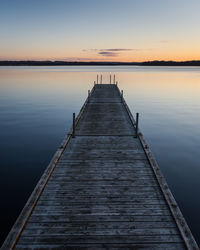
(97, 79)
(121, 95)
(74, 126)
(114, 79)
(136, 125)
(110, 79)
(101, 79)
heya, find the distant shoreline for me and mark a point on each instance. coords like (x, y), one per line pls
(69, 63)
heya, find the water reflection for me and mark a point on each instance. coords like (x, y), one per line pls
(36, 106)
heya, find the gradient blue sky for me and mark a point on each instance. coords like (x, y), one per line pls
(103, 30)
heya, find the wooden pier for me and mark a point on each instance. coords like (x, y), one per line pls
(103, 189)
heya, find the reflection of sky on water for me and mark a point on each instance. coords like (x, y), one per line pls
(36, 106)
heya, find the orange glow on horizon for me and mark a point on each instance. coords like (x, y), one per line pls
(170, 53)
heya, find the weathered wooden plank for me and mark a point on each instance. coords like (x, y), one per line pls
(103, 189)
(107, 168)
(142, 170)
(105, 155)
(102, 182)
(57, 207)
(102, 200)
(63, 239)
(64, 231)
(150, 203)
(114, 166)
(102, 225)
(96, 212)
(122, 172)
(101, 246)
(100, 218)
(104, 142)
(65, 196)
(83, 185)
(85, 177)
(71, 169)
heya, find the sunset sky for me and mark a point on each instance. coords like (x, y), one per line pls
(100, 30)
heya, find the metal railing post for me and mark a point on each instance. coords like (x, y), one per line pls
(114, 79)
(136, 124)
(88, 95)
(101, 79)
(74, 126)
(121, 95)
(110, 79)
(97, 79)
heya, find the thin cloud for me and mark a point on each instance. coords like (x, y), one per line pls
(108, 53)
(118, 50)
(76, 59)
(109, 50)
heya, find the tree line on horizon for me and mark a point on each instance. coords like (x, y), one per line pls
(91, 63)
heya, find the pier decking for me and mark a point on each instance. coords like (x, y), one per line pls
(103, 189)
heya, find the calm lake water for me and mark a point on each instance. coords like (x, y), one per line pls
(36, 106)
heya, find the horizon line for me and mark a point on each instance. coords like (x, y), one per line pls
(91, 61)
(96, 63)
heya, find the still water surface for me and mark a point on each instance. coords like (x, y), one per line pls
(36, 106)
